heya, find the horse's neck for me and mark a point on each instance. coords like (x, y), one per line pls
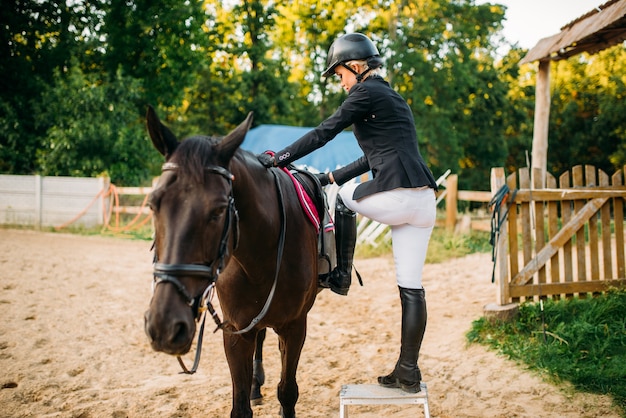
(253, 186)
(256, 201)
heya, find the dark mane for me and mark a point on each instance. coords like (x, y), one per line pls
(192, 155)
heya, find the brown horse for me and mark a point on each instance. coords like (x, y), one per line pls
(222, 219)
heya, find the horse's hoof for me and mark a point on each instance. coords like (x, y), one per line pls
(256, 397)
(256, 401)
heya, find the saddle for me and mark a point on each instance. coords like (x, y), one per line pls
(327, 256)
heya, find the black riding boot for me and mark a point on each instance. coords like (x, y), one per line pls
(406, 375)
(345, 239)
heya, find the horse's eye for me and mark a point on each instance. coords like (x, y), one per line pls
(216, 214)
(153, 202)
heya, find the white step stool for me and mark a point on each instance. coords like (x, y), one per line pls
(378, 395)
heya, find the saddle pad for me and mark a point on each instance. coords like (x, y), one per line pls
(305, 201)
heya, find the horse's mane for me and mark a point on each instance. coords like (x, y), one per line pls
(193, 155)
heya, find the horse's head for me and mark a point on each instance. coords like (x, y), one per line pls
(195, 224)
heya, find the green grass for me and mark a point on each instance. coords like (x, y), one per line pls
(581, 341)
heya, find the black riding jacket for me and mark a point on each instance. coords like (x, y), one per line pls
(385, 130)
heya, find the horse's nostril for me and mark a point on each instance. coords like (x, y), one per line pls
(172, 337)
(180, 334)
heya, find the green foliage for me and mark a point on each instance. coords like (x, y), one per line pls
(443, 64)
(37, 37)
(206, 64)
(243, 73)
(518, 110)
(96, 133)
(587, 124)
(161, 43)
(582, 341)
(15, 149)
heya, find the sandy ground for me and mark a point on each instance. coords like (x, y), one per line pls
(72, 342)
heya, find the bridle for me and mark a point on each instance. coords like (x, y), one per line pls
(210, 271)
(169, 273)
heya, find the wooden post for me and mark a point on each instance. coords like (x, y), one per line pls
(502, 263)
(542, 121)
(452, 186)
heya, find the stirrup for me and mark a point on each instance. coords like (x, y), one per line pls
(326, 281)
(323, 281)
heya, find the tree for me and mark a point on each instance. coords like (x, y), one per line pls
(78, 75)
(305, 31)
(245, 71)
(160, 43)
(441, 60)
(442, 63)
(98, 133)
(518, 109)
(587, 108)
(37, 38)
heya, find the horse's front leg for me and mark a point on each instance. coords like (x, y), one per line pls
(239, 351)
(258, 372)
(291, 341)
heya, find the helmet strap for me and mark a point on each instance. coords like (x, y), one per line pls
(359, 77)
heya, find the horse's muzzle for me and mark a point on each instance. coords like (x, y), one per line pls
(171, 334)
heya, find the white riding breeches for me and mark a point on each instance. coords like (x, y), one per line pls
(411, 215)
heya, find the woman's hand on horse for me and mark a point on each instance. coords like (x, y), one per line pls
(266, 159)
(323, 178)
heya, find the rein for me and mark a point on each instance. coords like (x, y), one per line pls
(279, 257)
(200, 305)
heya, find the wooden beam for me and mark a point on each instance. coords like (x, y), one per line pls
(590, 208)
(475, 196)
(590, 286)
(542, 120)
(132, 210)
(134, 190)
(452, 184)
(550, 195)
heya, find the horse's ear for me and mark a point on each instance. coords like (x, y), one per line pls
(229, 144)
(162, 138)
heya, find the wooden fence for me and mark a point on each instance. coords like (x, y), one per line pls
(30, 200)
(560, 240)
(452, 196)
(368, 231)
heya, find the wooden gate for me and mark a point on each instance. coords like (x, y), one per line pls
(559, 240)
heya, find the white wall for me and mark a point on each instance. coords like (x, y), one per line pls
(52, 201)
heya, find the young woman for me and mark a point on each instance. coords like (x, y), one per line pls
(401, 192)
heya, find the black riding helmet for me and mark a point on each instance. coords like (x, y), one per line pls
(353, 46)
